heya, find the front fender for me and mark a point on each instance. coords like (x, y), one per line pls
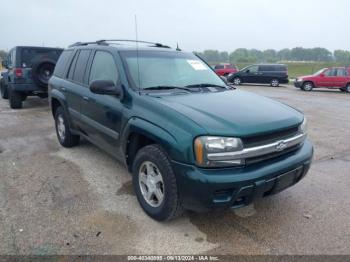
(156, 133)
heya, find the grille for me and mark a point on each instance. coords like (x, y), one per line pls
(257, 159)
(269, 137)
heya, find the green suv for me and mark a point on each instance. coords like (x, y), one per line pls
(189, 140)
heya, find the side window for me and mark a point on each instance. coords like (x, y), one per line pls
(331, 72)
(72, 66)
(253, 69)
(103, 68)
(63, 63)
(341, 72)
(9, 59)
(80, 66)
(219, 67)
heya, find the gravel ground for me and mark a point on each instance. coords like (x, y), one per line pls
(80, 201)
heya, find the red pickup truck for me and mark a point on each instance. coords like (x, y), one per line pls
(225, 69)
(332, 77)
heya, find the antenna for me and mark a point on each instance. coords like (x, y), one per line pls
(137, 54)
(177, 47)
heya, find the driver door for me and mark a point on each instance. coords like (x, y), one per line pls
(251, 74)
(329, 78)
(102, 114)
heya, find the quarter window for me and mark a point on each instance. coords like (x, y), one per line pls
(103, 68)
(62, 63)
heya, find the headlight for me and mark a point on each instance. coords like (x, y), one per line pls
(213, 151)
(299, 80)
(303, 126)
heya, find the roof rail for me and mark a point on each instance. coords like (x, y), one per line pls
(105, 42)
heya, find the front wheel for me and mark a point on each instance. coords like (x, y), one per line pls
(307, 86)
(155, 183)
(275, 83)
(237, 81)
(64, 135)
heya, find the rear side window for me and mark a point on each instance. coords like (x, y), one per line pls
(266, 68)
(103, 68)
(30, 55)
(341, 72)
(63, 63)
(72, 66)
(80, 66)
(219, 67)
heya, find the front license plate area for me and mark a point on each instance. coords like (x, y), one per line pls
(286, 180)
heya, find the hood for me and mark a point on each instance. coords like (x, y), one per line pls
(307, 76)
(234, 112)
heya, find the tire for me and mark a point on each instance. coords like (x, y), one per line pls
(307, 86)
(347, 88)
(237, 81)
(64, 135)
(3, 89)
(167, 206)
(15, 99)
(42, 71)
(342, 89)
(275, 82)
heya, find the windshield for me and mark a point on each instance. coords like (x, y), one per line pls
(162, 68)
(319, 72)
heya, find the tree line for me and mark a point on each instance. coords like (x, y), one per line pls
(243, 55)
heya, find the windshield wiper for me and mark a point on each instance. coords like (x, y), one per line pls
(205, 85)
(165, 87)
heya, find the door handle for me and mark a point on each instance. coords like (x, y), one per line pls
(63, 89)
(86, 98)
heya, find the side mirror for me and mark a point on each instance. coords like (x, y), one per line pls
(105, 87)
(247, 71)
(322, 75)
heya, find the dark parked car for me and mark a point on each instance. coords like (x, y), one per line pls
(273, 74)
(332, 78)
(29, 69)
(190, 141)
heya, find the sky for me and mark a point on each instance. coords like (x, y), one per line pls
(195, 25)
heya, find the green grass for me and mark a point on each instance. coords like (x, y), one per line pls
(300, 69)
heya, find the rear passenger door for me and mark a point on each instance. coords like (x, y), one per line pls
(76, 84)
(102, 114)
(342, 77)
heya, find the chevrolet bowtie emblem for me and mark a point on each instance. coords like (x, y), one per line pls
(281, 145)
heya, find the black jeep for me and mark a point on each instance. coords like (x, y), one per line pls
(28, 72)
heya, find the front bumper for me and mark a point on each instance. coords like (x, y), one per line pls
(205, 189)
(298, 84)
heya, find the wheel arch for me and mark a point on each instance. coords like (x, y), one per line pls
(139, 133)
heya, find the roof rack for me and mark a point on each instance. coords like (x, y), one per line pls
(105, 42)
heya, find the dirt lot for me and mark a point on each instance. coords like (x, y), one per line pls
(80, 201)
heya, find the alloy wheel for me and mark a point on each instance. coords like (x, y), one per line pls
(151, 184)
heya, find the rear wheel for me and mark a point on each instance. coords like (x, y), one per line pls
(3, 89)
(15, 99)
(307, 86)
(155, 184)
(237, 81)
(275, 83)
(64, 135)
